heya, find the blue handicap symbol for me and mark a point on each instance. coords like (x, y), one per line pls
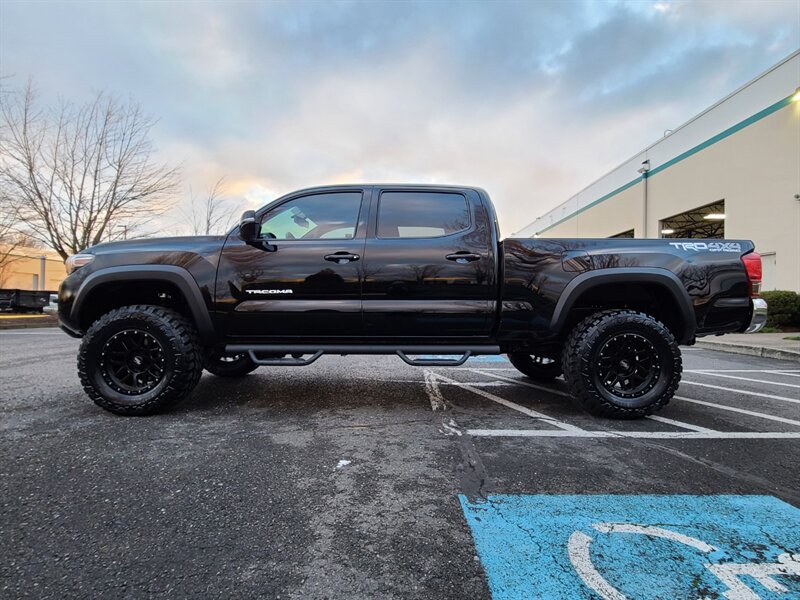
(637, 547)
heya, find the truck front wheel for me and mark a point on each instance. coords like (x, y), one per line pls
(138, 360)
(622, 364)
(539, 368)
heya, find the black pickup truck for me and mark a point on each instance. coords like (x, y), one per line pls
(412, 270)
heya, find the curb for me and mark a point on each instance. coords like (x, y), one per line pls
(762, 351)
(9, 326)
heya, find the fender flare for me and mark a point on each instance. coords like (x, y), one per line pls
(177, 276)
(666, 279)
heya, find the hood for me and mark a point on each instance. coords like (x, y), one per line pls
(165, 244)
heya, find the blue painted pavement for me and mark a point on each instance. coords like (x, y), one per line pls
(637, 547)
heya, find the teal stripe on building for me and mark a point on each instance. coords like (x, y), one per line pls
(700, 147)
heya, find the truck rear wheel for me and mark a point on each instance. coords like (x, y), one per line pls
(540, 368)
(138, 360)
(622, 364)
(229, 365)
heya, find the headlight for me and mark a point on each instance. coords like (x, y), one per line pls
(76, 261)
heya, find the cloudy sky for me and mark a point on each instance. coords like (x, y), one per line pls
(530, 100)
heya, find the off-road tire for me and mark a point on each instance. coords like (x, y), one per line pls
(587, 348)
(229, 365)
(535, 367)
(179, 355)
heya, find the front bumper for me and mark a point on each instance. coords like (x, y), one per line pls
(69, 328)
(758, 316)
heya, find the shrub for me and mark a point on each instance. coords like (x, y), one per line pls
(784, 308)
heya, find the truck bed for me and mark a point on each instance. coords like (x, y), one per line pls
(698, 286)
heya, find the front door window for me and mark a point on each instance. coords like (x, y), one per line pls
(320, 216)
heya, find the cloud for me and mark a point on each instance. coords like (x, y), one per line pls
(530, 100)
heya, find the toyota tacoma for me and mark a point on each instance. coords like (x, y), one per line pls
(413, 270)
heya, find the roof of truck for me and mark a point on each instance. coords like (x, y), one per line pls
(427, 186)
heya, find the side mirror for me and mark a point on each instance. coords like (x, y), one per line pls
(248, 231)
(247, 226)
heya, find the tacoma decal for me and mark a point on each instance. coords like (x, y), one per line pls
(287, 291)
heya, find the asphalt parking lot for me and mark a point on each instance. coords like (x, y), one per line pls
(362, 477)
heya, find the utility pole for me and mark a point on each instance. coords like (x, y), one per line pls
(644, 170)
(42, 272)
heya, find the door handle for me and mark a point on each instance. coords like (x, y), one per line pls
(341, 258)
(463, 257)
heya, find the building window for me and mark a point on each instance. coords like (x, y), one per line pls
(624, 234)
(704, 222)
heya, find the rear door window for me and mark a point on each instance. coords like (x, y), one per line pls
(421, 214)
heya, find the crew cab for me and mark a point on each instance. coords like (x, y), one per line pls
(413, 270)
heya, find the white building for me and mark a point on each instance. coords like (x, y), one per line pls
(732, 171)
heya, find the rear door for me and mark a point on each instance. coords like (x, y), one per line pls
(428, 269)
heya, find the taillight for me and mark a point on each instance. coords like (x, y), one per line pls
(752, 266)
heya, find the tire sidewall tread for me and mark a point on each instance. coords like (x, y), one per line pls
(578, 350)
(182, 345)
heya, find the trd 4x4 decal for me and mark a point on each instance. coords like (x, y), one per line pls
(710, 246)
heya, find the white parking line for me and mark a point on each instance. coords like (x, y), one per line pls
(672, 422)
(738, 391)
(693, 431)
(655, 435)
(791, 385)
(675, 423)
(395, 380)
(434, 393)
(785, 371)
(447, 425)
(527, 411)
(480, 383)
(520, 382)
(743, 411)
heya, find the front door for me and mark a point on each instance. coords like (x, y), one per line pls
(304, 277)
(429, 268)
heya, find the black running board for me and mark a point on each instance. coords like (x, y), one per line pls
(280, 361)
(434, 362)
(276, 353)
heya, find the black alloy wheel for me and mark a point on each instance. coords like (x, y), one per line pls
(628, 365)
(132, 361)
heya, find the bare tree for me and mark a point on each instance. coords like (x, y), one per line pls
(9, 238)
(212, 214)
(76, 173)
